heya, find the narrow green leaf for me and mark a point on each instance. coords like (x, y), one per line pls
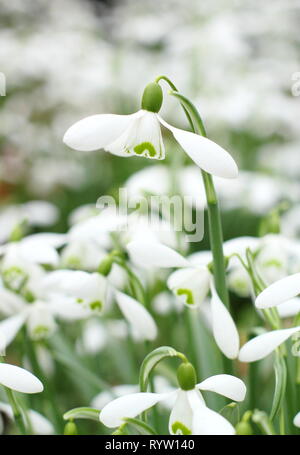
(280, 384)
(82, 413)
(141, 427)
(152, 359)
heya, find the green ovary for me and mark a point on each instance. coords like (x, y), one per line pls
(40, 331)
(143, 147)
(188, 294)
(179, 428)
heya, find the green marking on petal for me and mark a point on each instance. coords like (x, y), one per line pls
(272, 263)
(96, 306)
(79, 300)
(179, 428)
(40, 331)
(14, 278)
(146, 149)
(188, 294)
(73, 262)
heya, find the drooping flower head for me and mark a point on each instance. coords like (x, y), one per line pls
(139, 134)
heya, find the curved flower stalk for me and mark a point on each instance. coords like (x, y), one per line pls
(38, 423)
(139, 134)
(189, 414)
(191, 284)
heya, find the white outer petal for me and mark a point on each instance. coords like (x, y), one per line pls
(206, 421)
(225, 384)
(181, 412)
(139, 318)
(279, 292)
(296, 420)
(96, 131)
(113, 413)
(40, 425)
(10, 327)
(289, 308)
(155, 254)
(10, 302)
(262, 345)
(18, 379)
(208, 155)
(224, 329)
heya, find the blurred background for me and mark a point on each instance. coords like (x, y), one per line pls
(66, 59)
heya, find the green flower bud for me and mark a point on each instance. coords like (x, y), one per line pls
(70, 429)
(244, 428)
(152, 97)
(106, 265)
(186, 376)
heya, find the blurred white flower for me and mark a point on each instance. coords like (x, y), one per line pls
(190, 284)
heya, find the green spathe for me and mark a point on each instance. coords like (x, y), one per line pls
(152, 97)
(186, 376)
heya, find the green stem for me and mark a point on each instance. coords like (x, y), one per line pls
(16, 408)
(17, 412)
(214, 217)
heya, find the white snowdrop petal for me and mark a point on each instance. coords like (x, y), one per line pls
(35, 250)
(138, 317)
(262, 345)
(96, 131)
(289, 308)
(224, 329)
(206, 421)
(181, 416)
(190, 285)
(10, 327)
(296, 420)
(225, 384)
(208, 155)
(113, 413)
(40, 425)
(18, 379)
(279, 292)
(154, 254)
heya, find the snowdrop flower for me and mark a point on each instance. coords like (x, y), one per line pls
(18, 379)
(276, 257)
(297, 420)
(90, 290)
(139, 134)
(35, 213)
(38, 423)
(280, 293)
(189, 414)
(21, 260)
(191, 284)
(38, 313)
